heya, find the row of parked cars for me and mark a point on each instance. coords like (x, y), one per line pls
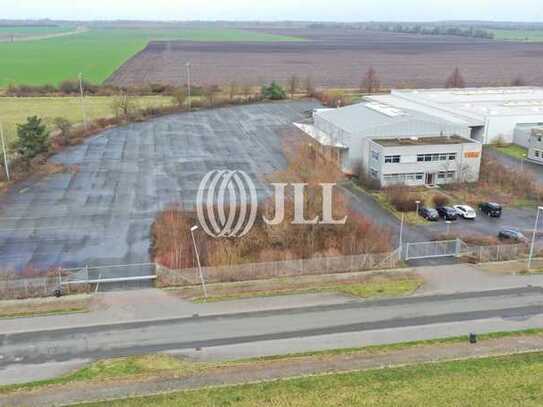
(491, 209)
(464, 211)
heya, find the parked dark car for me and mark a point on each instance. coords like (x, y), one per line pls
(511, 234)
(491, 209)
(429, 214)
(447, 213)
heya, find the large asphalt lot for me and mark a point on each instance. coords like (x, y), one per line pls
(102, 213)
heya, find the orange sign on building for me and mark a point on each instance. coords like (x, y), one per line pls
(472, 154)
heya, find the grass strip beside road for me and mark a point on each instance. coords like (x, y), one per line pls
(43, 306)
(360, 285)
(497, 381)
(164, 366)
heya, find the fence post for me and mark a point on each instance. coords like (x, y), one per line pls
(498, 253)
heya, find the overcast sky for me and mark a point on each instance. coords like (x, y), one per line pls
(323, 10)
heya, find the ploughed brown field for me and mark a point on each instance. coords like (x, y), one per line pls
(337, 58)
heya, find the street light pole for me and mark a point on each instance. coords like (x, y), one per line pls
(82, 94)
(448, 223)
(401, 234)
(532, 246)
(192, 230)
(188, 86)
(6, 163)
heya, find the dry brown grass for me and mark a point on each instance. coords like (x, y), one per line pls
(500, 184)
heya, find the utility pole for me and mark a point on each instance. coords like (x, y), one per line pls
(188, 85)
(82, 101)
(6, 163)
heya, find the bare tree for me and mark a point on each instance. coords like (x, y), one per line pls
(233, 89)
(518, 81)
(210, 93)
(370, 82)
(455, 80)
(123, 105)
(292, 85)
(308, 86)
(247, 90)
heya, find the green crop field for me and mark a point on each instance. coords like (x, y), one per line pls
(34, 30)
(98, 52)
(518, 35)
(15, 110)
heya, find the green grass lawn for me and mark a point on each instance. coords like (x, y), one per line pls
(15, 110)
(374, 287)
(513, 150)
(98, 52)
(518, 35)
(499, 381)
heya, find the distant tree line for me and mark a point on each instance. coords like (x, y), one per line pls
(472, 32)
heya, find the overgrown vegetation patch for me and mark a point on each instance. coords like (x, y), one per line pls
(171, 239)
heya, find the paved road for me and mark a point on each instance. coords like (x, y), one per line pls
(261, 327)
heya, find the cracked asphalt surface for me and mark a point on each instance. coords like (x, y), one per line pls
(101, 214)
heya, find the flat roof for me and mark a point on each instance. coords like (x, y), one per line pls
(371, 118)
(477, 103)
(419, 141)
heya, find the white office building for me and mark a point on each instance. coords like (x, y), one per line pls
(397, 146)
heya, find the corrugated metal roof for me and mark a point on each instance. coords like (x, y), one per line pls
(401, 103)
(361, 119)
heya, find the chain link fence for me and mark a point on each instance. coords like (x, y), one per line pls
(76, 281)
(288, 268)
(489, 254)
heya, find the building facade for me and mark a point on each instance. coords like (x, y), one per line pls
(535, 146)
(424, 161)
(397, 146)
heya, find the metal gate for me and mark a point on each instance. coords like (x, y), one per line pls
(428, 250)
(110, 277)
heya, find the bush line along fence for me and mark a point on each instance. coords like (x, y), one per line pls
(12, 287)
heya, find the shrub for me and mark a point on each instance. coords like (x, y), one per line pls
(274, 92)
(32, 138)
(402, 198)
(69, 87)
(65, 128)
(500, 142)
(179, 97)
(440, 200)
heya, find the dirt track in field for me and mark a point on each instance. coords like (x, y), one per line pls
(337, 57)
